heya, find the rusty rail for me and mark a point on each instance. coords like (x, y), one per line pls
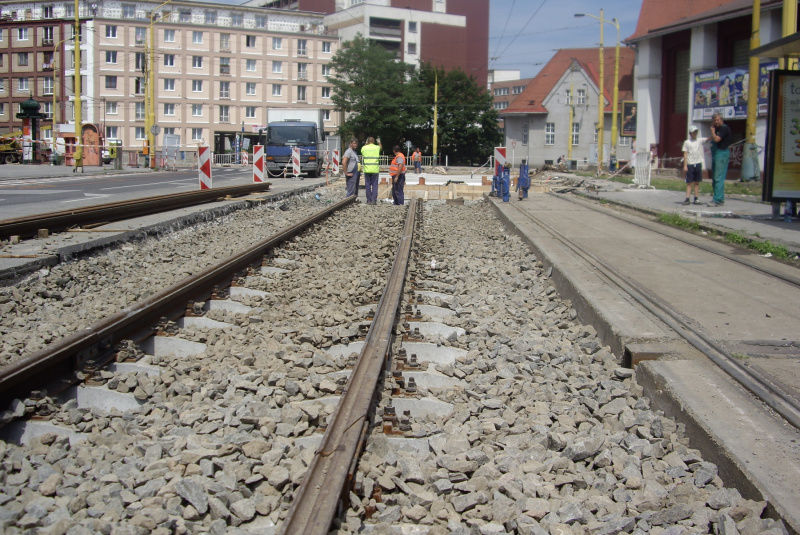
(316, 499)
(28, 226)
(97, 341)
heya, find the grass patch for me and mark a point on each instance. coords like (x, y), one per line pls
(761, 247)
(740, 356)
(675, 220)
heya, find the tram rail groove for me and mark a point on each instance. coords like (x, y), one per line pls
(769, 393)
(28, 226)
(316, 500)
(97, 341)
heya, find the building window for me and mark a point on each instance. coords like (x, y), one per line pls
(169, 60)
(169, 131)
(302, 71)
(277, 43)
(517, 89)
(301, 93)
(111, 57)
(224, 65)
(326, 47)
(569, 97)
(682, 77)
(22, 59)
(138, 85)
(111, 82)
(47, 86)
(412, 48)
(197, 62)
(261, 21)
(624, 141)
(128, 11)
(581, 97)
(277, 67)
(169, 84)
(197, 38)
(326, 115)
(251, 65)
(197, 86)
(250, 88)
(140, 35)
(224, 114)
(596, 136)
(326, 70)
(139, 111)
(301, 47)
(197, 134)
(326, 92)
(500, 105)
(525, 134)
(550, 133)
(169, 108)
(111, 107)
(576, 136)
(412, 26)
(22, 34)
(169, 36)
(277, 90)
(250, 112)
(139, 60)
(184, 16)
(500, 91)
(111, 31)
(111, 132)
(224, 90)
(250, 41)
(197, 110)
(48, 12)
(210, 17)
(224, 41)
(237, 19)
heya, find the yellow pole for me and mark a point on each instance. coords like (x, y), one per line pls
(436, 119)
(789, 26)
(600, 104)
(616, 97)
(571, 114)
(78, 102)
(151, 93)
(752, 91)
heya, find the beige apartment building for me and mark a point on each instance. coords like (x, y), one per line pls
(217, 68)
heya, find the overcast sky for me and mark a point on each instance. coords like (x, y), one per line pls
(524, 33)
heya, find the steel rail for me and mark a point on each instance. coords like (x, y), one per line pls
(676, 235)
(97, 341)
(316, 499)
(28, 226)
(765, 390)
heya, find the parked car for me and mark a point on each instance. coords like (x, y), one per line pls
(106, 156)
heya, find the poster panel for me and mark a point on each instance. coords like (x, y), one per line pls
(726, 91)
(628, 120)
(782, 161)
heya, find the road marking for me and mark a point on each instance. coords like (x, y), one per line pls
(89, 196)
(37, 191)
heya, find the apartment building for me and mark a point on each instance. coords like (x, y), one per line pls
(218, 68)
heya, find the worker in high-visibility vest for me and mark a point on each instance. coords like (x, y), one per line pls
(397, 170)
(371, 164)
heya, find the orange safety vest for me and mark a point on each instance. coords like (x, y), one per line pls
(417, 156)
(398, 166)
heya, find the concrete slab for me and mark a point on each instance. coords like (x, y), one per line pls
(171, 346)
(22, 432)
(201, 322)
(427, 352)
(135, 367)
(437, 314)
(100, 397)
(430, 295)
(422, 407)
(432, 329)
(241, 291)
(272, 270)
(228, 306)
(432, 379)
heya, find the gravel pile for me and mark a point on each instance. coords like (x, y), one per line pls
(212, 448)
(548, 434)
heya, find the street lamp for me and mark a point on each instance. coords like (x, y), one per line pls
(150, 93)
(55, 87)
(615, 97)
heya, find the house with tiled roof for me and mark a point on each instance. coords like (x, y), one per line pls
(556, 114)
(692, 59)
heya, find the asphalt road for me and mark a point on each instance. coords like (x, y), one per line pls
(23, 197)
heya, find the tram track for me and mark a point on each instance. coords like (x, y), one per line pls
(772, 394)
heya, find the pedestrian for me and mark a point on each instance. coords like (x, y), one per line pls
(721, 138)
(693, 163)
(417, 159)
(371, 164)
(350, 164)
(397, 172)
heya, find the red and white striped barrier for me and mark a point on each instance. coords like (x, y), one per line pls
(258, 163)
(245, 158)
(204, 160)
(335, 162)
(296, 161)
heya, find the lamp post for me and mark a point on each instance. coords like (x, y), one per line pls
(78, 101)
(601, 105)
(150, 92)
(55, 87)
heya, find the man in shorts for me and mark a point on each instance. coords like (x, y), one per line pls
(693, 163)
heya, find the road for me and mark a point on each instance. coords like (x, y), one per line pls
(23, 197)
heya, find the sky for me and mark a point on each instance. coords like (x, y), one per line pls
(523, 34)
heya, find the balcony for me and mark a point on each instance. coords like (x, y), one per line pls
(225, 70)
(47, 66)
(48, 42)
(225, 47)
(140, 41)
(302, 76)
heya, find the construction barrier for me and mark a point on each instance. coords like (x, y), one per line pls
(296, 161)
(133, 159)
(204, 154)
(258, 163)
(335, 162)
(245, 158)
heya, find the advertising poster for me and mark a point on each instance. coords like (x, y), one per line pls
(726, 91)
(782, 161)
(627, 127)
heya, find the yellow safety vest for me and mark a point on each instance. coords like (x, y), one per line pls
(371, 155)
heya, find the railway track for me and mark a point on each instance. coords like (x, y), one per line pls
(483, 405)
(33, 226)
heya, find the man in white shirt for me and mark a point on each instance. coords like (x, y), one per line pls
(693, 163)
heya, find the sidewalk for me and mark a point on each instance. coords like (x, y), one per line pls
(749, 217)
(29, 171)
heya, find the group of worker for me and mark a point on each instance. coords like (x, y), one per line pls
(369, 163)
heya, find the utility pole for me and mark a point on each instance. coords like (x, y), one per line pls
(601, 104)
(151, 90)
(78, 102)
(436, 119)
(750, 167)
